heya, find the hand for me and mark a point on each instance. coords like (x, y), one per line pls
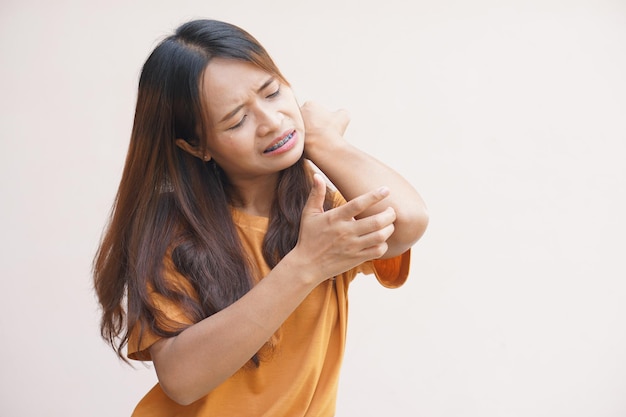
(334, 241)
(321, 125)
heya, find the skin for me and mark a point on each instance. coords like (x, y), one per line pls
(383, 218)
(265, 111)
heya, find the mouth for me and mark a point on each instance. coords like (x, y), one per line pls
(285, 139)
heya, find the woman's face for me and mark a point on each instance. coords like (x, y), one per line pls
(255, 120)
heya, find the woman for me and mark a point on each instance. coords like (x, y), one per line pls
(227, 258)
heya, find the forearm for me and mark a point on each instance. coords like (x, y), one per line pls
(354, 172)
(203, 356)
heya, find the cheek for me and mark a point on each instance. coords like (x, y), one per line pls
(298, 120)
(239, 141)
(287, 97)
(293, 109)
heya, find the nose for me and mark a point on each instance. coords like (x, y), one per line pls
(269, 120)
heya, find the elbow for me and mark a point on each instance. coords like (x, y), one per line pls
(420, 222)
(181, 390)
(178, 381)
(178, 394)
(411, 226)
(174, 393)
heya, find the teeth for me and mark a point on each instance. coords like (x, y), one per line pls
(280, 143)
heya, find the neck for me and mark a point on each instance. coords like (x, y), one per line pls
(255, 196)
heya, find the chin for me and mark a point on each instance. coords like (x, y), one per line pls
(295, 160)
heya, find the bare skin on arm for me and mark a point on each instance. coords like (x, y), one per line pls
(219, 222)
(193, 363)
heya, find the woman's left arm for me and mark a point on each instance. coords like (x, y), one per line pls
(354, 172)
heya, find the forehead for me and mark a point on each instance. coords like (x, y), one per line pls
(228, 83)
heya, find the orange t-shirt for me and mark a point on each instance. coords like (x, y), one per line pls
(301, 376)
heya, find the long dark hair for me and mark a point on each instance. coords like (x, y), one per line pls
(169, 200)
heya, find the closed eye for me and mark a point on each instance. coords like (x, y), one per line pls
(275, 93)
(239, 124)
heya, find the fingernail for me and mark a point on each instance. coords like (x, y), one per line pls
(384, 191)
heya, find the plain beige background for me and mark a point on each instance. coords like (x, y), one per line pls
(508, 116)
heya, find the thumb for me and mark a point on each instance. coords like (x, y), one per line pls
(315, 202)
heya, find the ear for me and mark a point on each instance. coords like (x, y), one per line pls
(192, 150)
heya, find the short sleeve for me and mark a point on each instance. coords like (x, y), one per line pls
(390, 273)
(171, 318)
(139, 344)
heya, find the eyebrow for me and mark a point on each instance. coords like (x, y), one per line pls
(236, 109)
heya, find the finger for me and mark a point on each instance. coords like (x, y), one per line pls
(375, 252)
(308, 105)
(344, 116)
(375, 222)
(361, 203)
(377, 237)
(315, 202)
(343, 119)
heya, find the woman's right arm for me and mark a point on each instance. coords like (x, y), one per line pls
(204, 355)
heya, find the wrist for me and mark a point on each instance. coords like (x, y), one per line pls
(299, 271)
(318, 146)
